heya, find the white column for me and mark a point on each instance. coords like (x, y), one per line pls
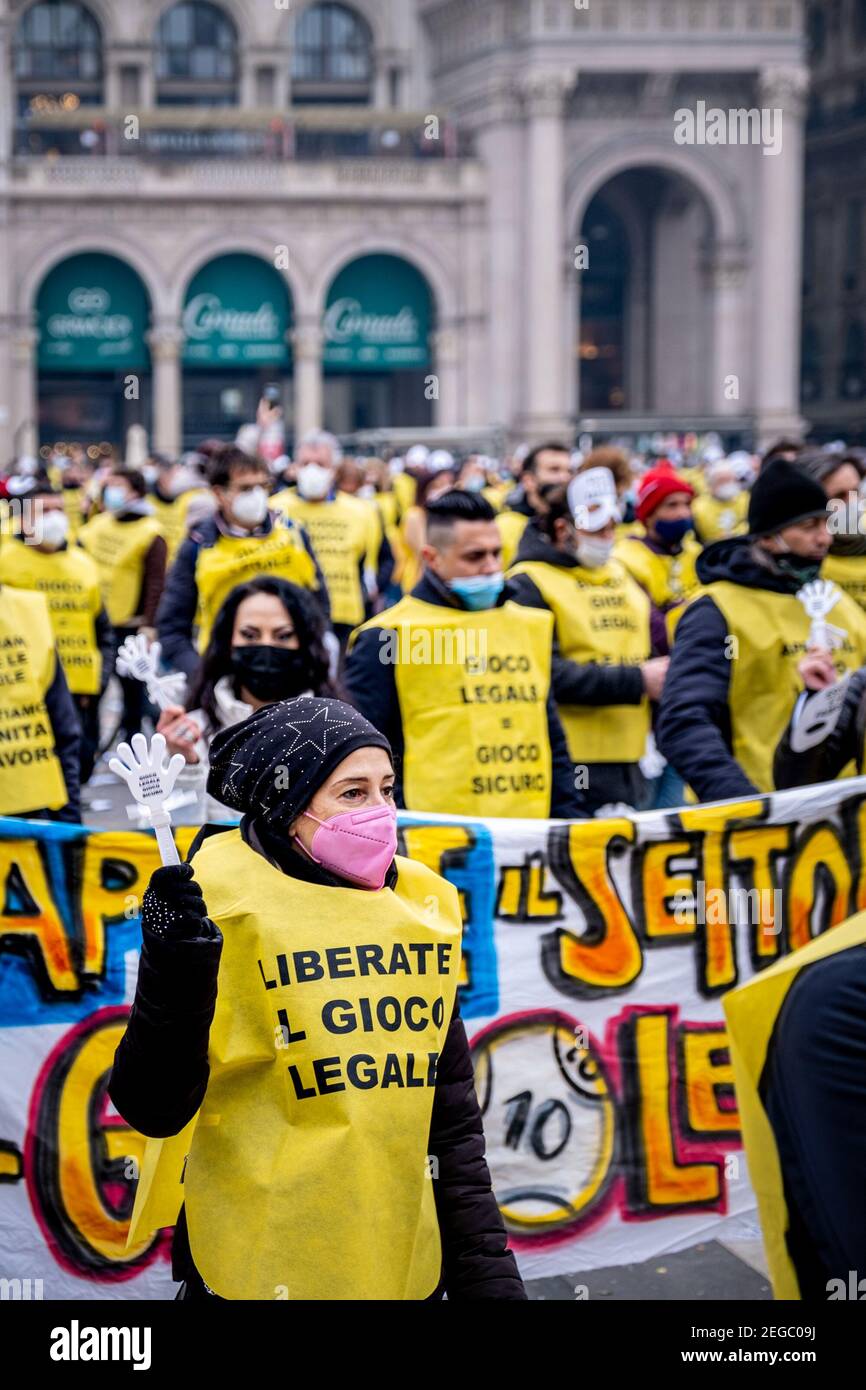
(544, 411)
(25, 418)
(726, 279)
(165, 340)
(446, 344)
(499, 142)
(780, 266)
(7, 88)
(307, 340)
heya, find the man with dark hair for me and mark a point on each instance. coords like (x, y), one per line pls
(546, 466)
(459, 680)
(126, 541)
(785, 449)
(242, 539)
(733, 681)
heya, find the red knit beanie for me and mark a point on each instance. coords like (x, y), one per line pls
(660, 482)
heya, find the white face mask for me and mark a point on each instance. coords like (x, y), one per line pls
(55, 529)
(367, 490)
(250, 508)
(150, 473)
(314, 482)
(592, 554)
(182, 481)
(726, 492)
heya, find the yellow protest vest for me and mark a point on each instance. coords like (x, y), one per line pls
(232, 560)
(715, 520)
(70, 582)
(666, 578)
(405, 488)
(473, 691)
(767, 633)
(31, 778)
(172, 517)
(119, 548)
(74, 499)
(849, 572)
(344, 534)
(511, 528)
(601, 616)
(751, 1012)
(307, 1176)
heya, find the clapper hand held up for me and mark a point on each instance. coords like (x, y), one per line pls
(140, 661)
(141, 768)
(818, 598)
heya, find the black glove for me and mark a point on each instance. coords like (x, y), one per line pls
(173, 904)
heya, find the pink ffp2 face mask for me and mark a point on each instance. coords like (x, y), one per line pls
(358, 845)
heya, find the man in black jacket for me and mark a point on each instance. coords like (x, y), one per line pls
(241, 539)
(463, 545)
(732, 683)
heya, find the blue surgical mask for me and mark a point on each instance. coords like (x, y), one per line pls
(672, 532)
(478, 590)
(114, 498)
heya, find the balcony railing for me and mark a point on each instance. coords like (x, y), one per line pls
(323, 133)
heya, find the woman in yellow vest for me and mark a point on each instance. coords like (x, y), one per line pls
(296, 1028)
(40, 558)
(39, 732)
(129, 549)
(603, 674)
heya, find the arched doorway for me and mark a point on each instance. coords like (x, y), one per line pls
(645, 323)
(237, 321)
(376, 355)
(92, 314)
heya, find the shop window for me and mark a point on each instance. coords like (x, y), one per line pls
(57, 60)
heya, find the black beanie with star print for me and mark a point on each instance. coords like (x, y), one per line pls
(272, 764)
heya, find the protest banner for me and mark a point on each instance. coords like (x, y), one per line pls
(595, 957)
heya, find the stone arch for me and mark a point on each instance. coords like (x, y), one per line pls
(352, 249)
(211, 249)
(589, 173)
(238, 11)
(103, 12)
(98, 243)
(369, 11)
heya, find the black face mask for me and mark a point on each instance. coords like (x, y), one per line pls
(802, 569)
(271, 673)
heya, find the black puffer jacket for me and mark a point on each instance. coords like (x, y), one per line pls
(160, 1076)
(694, 724)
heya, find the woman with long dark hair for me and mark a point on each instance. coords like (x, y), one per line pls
(267, 644)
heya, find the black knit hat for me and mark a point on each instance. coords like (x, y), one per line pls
(783, 495)
(272, 764)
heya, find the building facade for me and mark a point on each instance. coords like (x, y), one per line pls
(543, 215)
(834, 265)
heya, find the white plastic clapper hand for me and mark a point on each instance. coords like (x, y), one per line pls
(141, 768)
(818, 598)
(139, 661)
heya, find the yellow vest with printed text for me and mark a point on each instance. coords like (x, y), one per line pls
(511, 528)
(751, 1012)
(31, 778)
(232, 560)
(172, 517)
(473, 690)
(70, 582)
(601, 616)
(119, 548)
(767, 634)
(849, 572)
(345, 535)
(305, 1173)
